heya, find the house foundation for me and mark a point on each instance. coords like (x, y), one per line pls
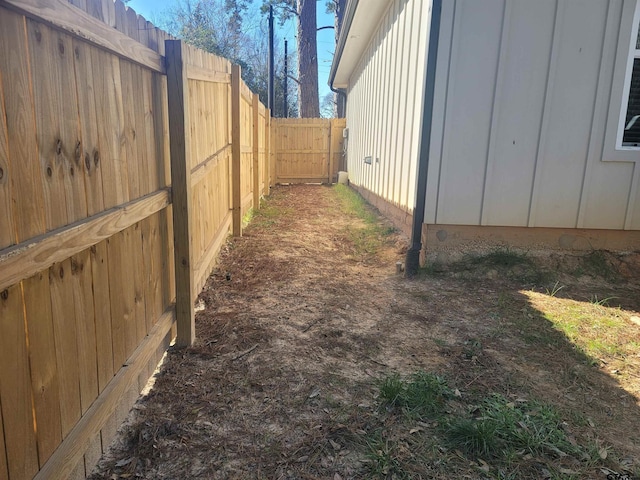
(446, 243)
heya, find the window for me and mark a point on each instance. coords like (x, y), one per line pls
(629, 130)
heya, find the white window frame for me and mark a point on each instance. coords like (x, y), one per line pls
(634, 53)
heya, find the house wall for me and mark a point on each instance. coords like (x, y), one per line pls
(528, 94)
(384, 105)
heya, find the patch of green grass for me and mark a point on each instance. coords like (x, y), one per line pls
(592, 327)
(500, 428)
(423, 394)
(368, 239)
(502, 437)
(269, 214)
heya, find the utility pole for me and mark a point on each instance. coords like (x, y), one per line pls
(286, 74)
(270, 101)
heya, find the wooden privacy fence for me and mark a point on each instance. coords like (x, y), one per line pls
(113, 154)
(307, 150)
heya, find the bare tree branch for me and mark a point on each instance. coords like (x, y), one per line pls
(328, 27)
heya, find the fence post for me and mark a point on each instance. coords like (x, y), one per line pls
(180, 144)
(256, 151)
(236, 149)
(267, 152)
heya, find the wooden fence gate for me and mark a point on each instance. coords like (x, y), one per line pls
(307, 150)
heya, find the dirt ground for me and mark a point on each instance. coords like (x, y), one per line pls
(299, 325)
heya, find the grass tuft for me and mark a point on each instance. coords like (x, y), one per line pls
(423, 394)
(500, 428)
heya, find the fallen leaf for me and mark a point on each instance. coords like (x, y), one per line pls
(484, 466)
(603, 453)
(123, 462)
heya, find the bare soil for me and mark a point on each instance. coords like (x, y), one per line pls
(299, 326)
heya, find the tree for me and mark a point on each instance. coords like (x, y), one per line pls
(338, 7)
(227, 28)
(304, 12)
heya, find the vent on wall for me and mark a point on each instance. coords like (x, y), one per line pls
(367, 160)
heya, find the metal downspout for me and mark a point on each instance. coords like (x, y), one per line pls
(412, 260)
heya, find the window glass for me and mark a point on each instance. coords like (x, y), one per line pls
(631, 135)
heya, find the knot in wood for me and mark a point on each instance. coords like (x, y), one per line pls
(58, 147)
(5, 294)
(1, 173)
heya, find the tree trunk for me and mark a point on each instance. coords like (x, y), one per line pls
(340, 5)
(308, 59)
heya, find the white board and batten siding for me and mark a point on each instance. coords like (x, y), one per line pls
(528, 97)
(384, 104)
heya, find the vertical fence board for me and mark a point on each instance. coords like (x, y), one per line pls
(129, 137)
(85, 327)
(26, 189)
(102, 313)
(236, 196)
(138, 285)
(42, 357)
(150, 124)
(57, 133)
(153, 256)
(64, 329)
(112, 156)
(119, 307)
(90, 150)
(7, 233)
(140, 128)
(15, 387)
(181, 187)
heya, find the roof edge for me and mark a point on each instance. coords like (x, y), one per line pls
(349, 13)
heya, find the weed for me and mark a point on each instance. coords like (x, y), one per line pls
(555, 289)
(422, 394)
(603, 302)
(477, 437)
(246, 219)
(502, 427)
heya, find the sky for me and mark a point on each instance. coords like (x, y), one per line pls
(153, 11)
